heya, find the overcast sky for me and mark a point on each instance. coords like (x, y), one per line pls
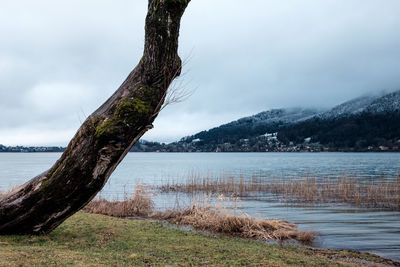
(59, 60)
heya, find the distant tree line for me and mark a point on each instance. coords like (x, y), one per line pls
(31, 149)
(360, 132)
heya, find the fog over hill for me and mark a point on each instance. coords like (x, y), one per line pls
(276, 118)
(376, 103)
(288, 115)
(351, 107)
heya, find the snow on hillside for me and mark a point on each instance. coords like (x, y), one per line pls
(372, 104)
(386, 103)
(348, 108)
(290, 115)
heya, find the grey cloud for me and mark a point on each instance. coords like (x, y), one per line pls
(244, 57)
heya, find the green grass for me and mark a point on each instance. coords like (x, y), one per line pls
(97, 240)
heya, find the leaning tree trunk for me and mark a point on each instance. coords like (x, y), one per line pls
(105, 137)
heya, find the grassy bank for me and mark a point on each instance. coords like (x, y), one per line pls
(98, 240)
(202, 216)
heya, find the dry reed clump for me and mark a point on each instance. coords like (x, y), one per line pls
(383, 193)
(140, 204)
(217, 220)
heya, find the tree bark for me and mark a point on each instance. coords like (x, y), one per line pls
(106, 136)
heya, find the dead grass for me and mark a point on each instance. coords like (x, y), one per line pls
(202, 216)
(139, 204)
(213, 219)
(382, 193)
(373, 194)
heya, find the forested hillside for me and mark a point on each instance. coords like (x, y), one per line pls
(368, 123)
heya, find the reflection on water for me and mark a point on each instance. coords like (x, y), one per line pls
(340, 226)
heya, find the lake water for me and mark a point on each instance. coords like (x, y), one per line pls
(339, 226)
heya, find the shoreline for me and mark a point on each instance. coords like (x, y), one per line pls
(352, 255)
(99, 240)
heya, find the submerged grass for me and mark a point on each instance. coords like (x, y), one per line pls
(97, 240)
(382, 193)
